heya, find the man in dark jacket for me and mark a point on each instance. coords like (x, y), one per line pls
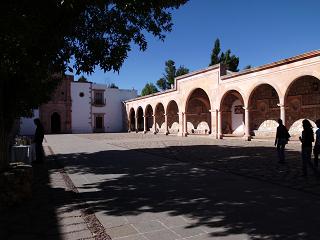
(38, 139)
(282, 139)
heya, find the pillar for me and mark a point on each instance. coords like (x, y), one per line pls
(247, 136)
(136, 124)
(185, 125)
(180, 124)
(219, 123)
(154, 124)
(166, 124)
(213, 123)
(282, 113)
(144, 124)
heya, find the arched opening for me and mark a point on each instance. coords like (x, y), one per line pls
(264, 111)
(139, 119)
(232, 113)
(173, 117)
(198, 115)
(159, 117)
(55, 123)
(302, 101)
(132, 120)
(149, 117)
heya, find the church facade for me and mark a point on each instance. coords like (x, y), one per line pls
(220, 103)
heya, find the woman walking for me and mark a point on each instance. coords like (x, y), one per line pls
(306, 139)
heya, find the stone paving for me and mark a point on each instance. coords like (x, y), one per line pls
(155, 187)
(50, 214)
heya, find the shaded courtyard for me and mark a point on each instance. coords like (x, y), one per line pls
(166, 187)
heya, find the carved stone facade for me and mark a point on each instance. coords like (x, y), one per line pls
(247, 103)
(56, 114)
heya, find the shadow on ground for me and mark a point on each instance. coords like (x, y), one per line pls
(131, 182)
(36, 218)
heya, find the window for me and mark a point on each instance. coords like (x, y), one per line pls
(98, 98)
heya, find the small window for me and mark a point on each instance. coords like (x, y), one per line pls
(81, 94)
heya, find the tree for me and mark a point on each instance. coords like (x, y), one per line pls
(82, 79)
(226, 58)
(39, 38)
(170, 73)
(148, 89)
(113, 85)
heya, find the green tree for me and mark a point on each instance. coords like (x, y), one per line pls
(170, 73)
(226, 58)
(113, 85)
(39, 38)
(148, 89)
(82, 79)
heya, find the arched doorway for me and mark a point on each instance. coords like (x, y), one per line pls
(173, 117)
(55, 123)
(140, 119)
(302, 101)
(264, 111)
(149, 118)
(197, 113)
(132, 120)
(160, 118)
(232, 113)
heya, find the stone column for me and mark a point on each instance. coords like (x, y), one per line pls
(136, 124)
(166, 124)
(219, 132)
(180, 124)
(129, 125)
(185, 125)
(213, 123)
(145, 124)
(247, 136)
(154, 124)
(282, 113)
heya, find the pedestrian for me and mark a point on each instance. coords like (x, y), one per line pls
(38, 139)
(282, 138)
(316, 149)
(306, 138)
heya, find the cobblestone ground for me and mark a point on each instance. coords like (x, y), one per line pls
(156, 187)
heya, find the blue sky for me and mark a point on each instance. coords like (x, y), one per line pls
(258, 31)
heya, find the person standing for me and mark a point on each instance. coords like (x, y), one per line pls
(38, 139)
(306, 138)
(282, 138)
(316, 149)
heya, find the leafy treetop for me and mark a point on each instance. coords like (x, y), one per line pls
(148, 89)
(170, 73)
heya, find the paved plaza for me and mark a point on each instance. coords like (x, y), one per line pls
(156, 187)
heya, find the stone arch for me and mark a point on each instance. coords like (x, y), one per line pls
(256, 85)
(160, 118)
(232, 113)
(132, 120)
(173, 117)
(197, 112)
(263, 110)
(55, 122)
(149, 117)
(302, 100)
(139, 119)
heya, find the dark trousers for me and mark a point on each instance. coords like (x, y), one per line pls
(39, 152)
(316, 152)
(280, 150)
(306, 160)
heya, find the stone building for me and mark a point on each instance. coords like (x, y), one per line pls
(220, 103)
(56, 114)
